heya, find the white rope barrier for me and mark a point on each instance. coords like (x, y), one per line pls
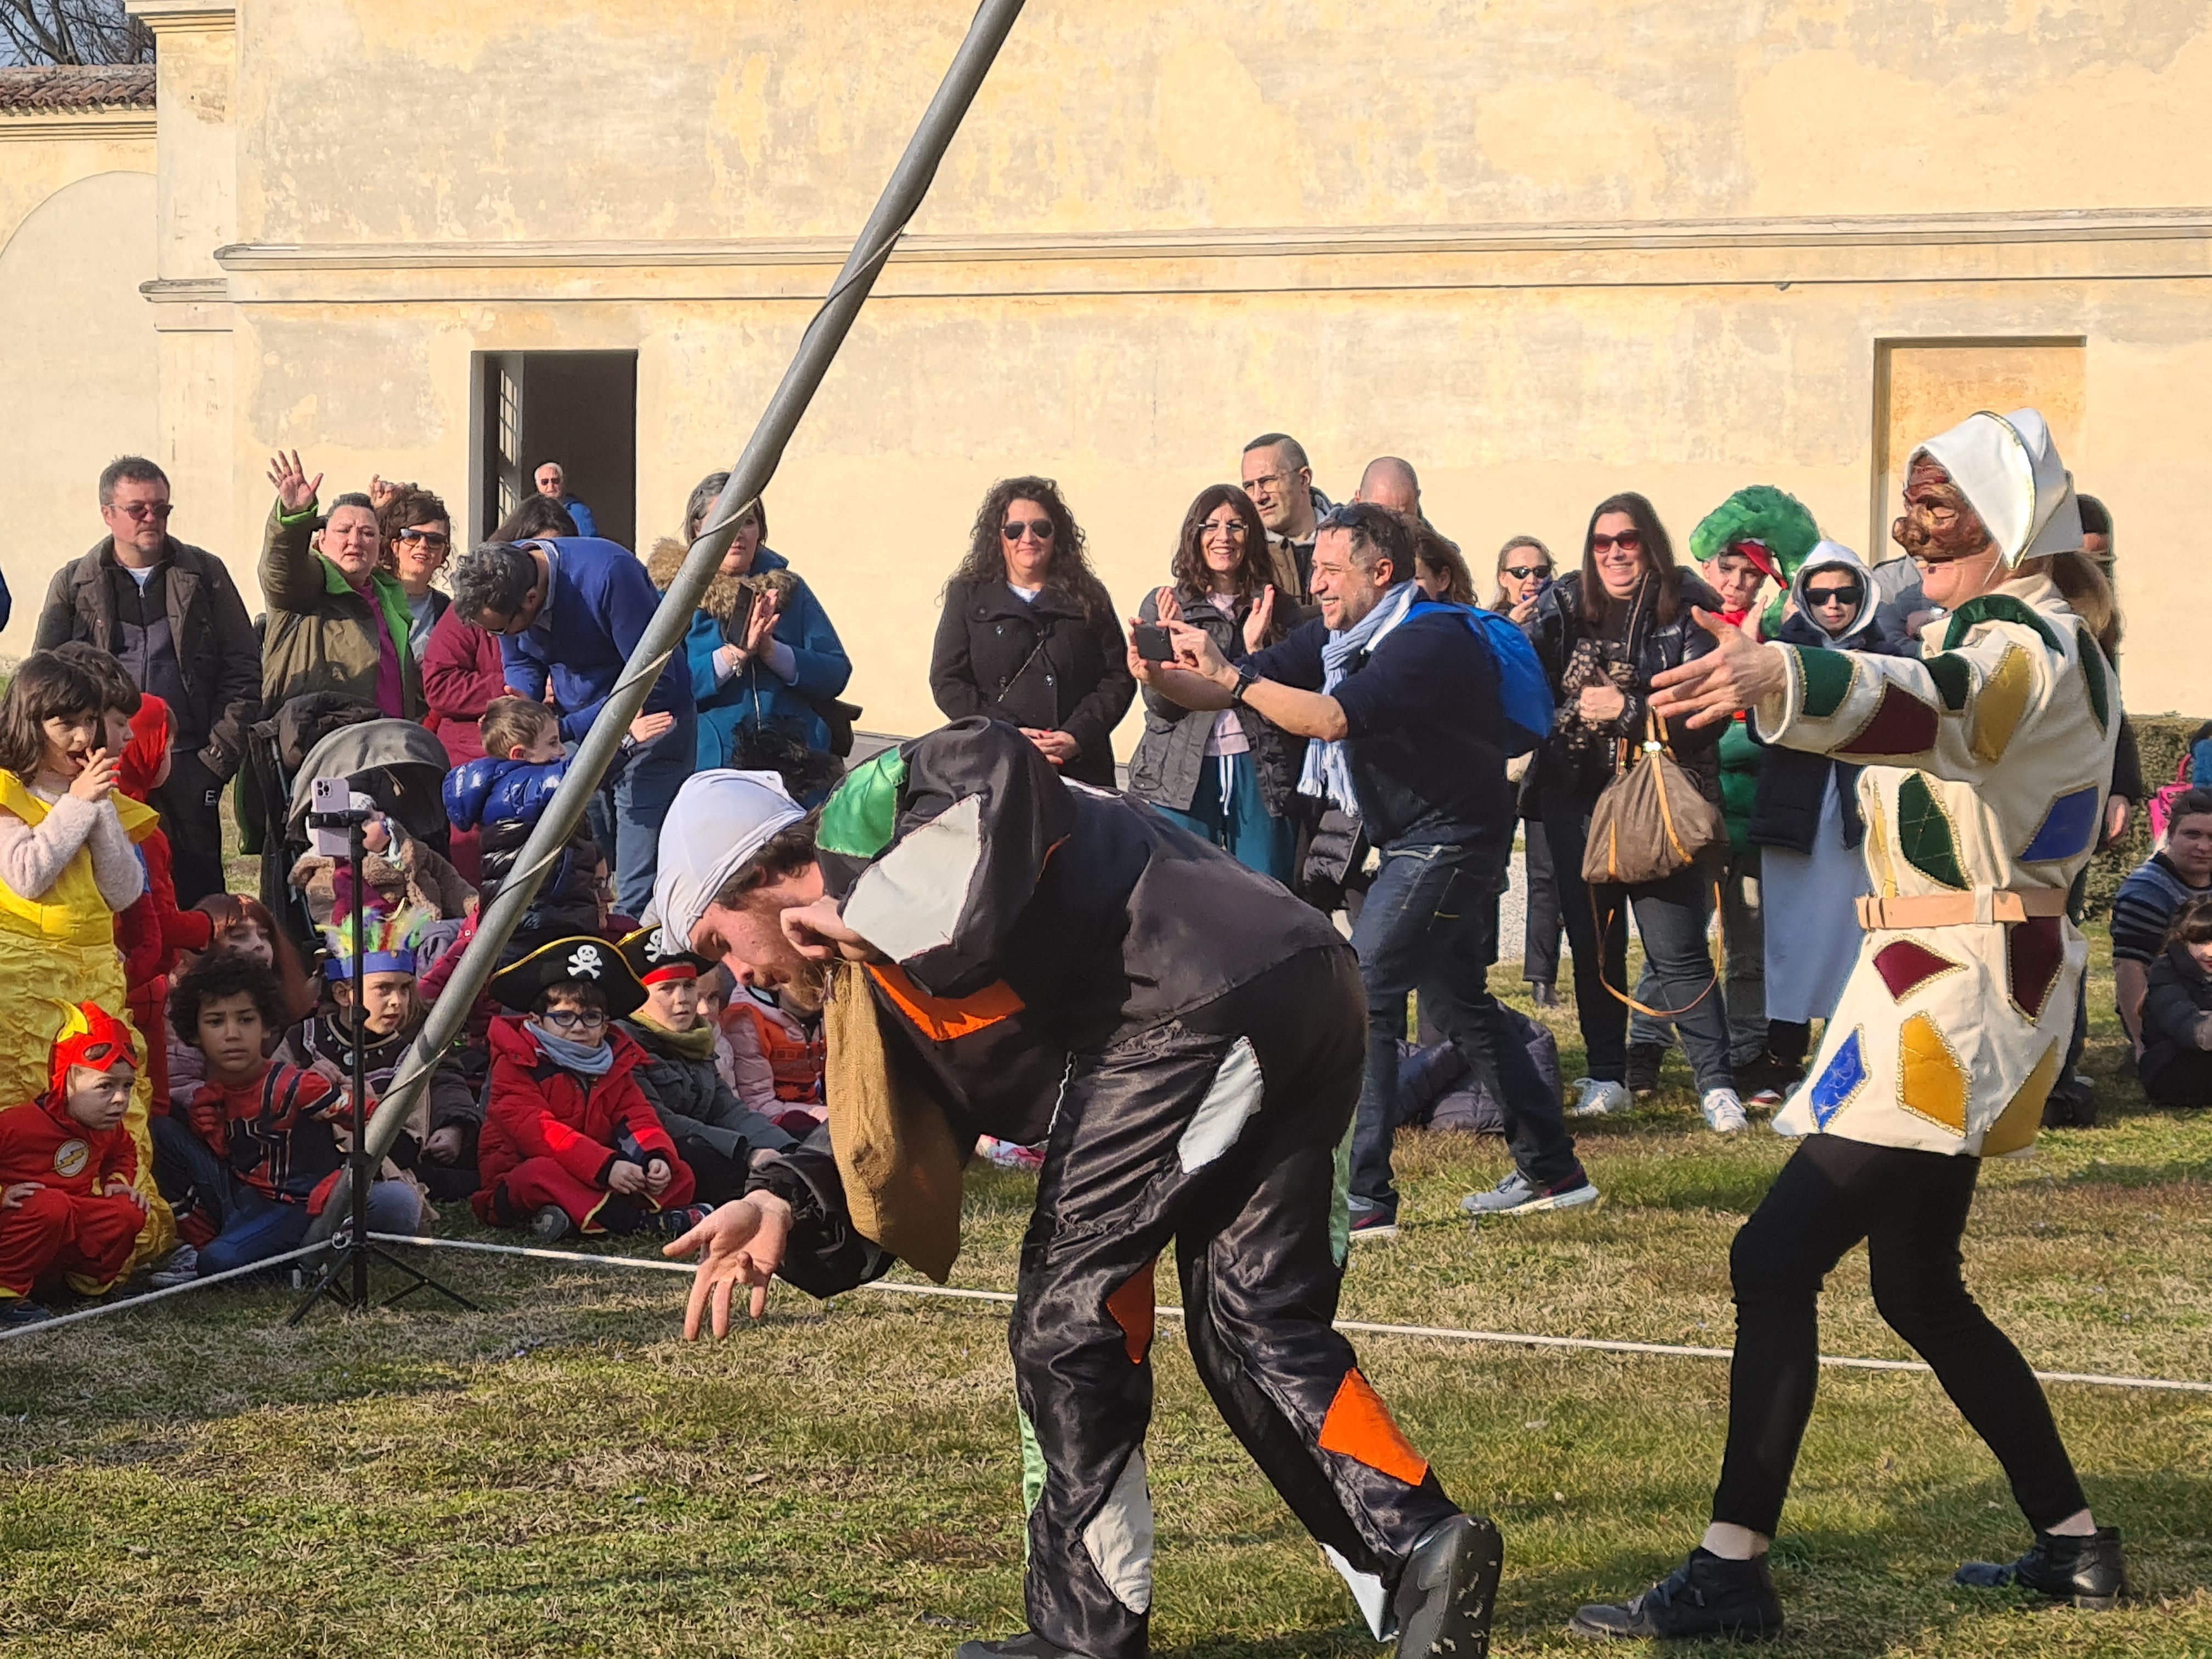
(143, 1299)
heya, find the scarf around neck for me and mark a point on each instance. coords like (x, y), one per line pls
(573, 1056)
(698, 1043)
(1327, 772)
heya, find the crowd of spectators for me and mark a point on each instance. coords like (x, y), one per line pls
(1383, 762)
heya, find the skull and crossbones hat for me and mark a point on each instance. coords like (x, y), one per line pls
(578, 960)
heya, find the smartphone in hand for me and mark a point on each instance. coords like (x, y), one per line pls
(1153, 643)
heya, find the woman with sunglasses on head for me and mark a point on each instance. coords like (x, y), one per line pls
(1603, 632)
(1524, 571)
(1229, 776)
(1028, 635)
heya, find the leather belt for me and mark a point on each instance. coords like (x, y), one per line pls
(1980, 908)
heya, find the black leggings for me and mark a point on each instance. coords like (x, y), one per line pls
(1911, 1207)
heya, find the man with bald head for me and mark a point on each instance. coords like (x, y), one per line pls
(1389, 482)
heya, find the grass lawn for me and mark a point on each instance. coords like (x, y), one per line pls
(562, 1475)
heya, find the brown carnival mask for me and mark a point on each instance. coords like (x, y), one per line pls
(1940, 524)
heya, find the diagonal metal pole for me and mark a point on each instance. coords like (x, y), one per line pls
(664, 635)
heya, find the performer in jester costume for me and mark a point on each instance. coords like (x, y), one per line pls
(1048, 962)
(1986, 765)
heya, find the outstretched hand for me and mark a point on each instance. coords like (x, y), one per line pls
(296, 491)
(1737, 673)
(742, 1242)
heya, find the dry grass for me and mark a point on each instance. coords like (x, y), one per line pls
(559, 1475)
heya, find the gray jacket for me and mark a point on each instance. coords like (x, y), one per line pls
(691, 1098)
(1171, 754)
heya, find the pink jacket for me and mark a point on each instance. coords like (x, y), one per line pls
(462, 673)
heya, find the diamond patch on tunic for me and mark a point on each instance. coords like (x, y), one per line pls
(2022, 1117)
(1930, 1082)
(2003, 701)
(1907, 964)
(1839, 1084)
(1924, 835)
(2066, 829)
(2034, 951)
(1954, 679)
(1902, 724)
(1827, 676)
(2093, 672)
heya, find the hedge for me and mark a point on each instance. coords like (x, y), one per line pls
(2163, 739)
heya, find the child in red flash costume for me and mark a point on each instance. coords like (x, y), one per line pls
(67, 1203)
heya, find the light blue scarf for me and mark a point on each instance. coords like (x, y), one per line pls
(1327, 773)
(573, 1056)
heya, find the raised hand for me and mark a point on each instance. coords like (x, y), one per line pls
(1262, 613)
(1737, 672)
(760, 624)
(296, 491)
(645, 727)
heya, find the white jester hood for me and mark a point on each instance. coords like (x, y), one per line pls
(2009, 468)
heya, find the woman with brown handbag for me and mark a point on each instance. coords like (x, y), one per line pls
(1603, 632)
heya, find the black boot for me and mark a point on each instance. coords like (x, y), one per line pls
(1704, 1596)
(1444, 1600)
(1028, 1645)
(2090, 1572)
(1543, 993)
(1643, 1059)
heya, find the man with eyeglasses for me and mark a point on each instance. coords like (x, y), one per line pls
(171, 614)
(1280, 483)
(553, 484)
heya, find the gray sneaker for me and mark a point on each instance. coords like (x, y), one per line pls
(1594, 1098)
(1518, 1196)
(1723, 1112)
(182, 1267)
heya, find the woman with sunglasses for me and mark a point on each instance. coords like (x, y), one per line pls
(1524, 571)
(417, 533)
(1028, 634)
(1603, 632)
(1228, 775)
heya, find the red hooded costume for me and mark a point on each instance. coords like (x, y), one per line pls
(152, 931)
(72, 1224)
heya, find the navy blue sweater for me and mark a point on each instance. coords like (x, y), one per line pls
(601, 601)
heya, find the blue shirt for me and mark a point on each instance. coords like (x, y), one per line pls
(597, 603)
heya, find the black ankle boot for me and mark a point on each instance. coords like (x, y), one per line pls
(2090, 1572)
(1706, 1596)
(1543, 993)
(1445, 1598)
(1643, 1075)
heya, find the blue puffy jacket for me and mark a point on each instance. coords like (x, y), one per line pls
(492, 791)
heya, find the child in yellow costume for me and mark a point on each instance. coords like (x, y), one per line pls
(67, 865)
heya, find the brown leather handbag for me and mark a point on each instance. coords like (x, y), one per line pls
(1651, 820)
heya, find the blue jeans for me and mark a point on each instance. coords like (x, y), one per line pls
(1242, 827)
(1430, 924)
(253, 1226)
(645, 782)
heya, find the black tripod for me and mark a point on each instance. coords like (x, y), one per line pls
(345, 1281)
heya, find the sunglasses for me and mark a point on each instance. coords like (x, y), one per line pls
(1040, 528)
(573, 1019)
(1850, 595)
(1521, 573)
(436, 541)
(143, 511)
(1629, 541)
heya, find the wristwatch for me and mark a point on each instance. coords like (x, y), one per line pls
(1246, 679)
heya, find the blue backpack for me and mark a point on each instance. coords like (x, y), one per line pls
(1524, 695)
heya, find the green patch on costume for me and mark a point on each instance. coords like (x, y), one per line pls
(2093, 671)
(858, 820)
(1924, 835)
(1997, 607)
(1954, 680)
(1032, 1469)
(1827, 680)
(1339, 1201)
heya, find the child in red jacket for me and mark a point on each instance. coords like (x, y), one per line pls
(570, 1142)
(67, 1165)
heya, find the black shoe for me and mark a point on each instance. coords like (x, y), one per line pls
(2090, 1572)
(1767, 1075)
(1704, 1596)
(1450, 1584)
(1543, 993)
(16, 1311)
(1643, 1059)
(1028, 1645)
(1368, 1226)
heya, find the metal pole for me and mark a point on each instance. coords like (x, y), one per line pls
(664, 635)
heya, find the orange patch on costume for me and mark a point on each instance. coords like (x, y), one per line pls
(942, 1019)
(1133, 1310)
(1359, 1425)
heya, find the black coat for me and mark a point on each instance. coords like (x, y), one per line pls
(1040, 664)
(693, 1100)
(2179, 995)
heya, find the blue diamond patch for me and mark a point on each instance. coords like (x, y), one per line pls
(2066, 829)
(1846, 1073)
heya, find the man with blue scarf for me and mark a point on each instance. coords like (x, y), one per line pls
(1412, 726)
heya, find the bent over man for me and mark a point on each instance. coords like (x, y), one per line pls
(1049, 960)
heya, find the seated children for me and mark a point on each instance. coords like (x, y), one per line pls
(154, 933)
(570, 1141)
(778, 1053)
(2176, 1066)
(399, 872)
(238, 923)
(252, 1160)
(68, 1207)
(437, 1150)
(714, 1132)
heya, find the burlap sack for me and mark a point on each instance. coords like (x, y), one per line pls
(1651, 820)
(895, 1151)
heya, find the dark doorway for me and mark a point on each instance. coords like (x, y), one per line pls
(579, 408)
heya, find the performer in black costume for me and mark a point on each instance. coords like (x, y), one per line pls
(1053, 961)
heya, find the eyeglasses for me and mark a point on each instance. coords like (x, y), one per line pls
(1223, 527)
(436, 541)
(1521, 573)
(141, 511)
(1040, 528)
(1850, 595)
(1265, 481)
(1629, 541)
(573, 1020)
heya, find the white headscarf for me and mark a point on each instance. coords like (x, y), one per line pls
(2010, 470)
(719, 819)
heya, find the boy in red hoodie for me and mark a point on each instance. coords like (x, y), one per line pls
(571, 1143)
(67, 1203)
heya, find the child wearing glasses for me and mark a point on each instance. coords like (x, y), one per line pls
(571, 1143)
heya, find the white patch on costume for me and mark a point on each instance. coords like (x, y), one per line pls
(71, 1158)
(1120, 1538)
(1367, 1590)
(1230, 1100)
(909, 901)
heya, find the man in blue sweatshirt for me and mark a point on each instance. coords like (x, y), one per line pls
(571, 612)
(1400, 700)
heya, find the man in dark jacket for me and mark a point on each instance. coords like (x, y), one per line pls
(1042, 958)
(170, 613)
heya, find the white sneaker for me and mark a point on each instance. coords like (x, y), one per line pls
(1725, 1112)
(1518, 1196)
(182, 1267)
(1595, 1099)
